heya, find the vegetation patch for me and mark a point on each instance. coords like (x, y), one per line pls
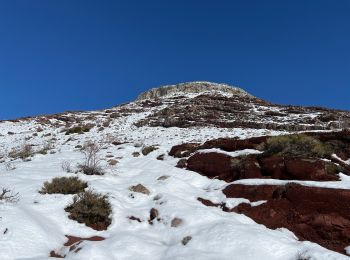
(78, 130)
(91, 165)
(92, 209)
(63, 185)
(148, 149)
(24, 152)
(297, 145)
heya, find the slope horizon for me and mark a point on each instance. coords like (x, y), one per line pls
(134, 99)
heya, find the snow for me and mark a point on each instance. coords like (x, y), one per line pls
(38, 223)
(232, 154)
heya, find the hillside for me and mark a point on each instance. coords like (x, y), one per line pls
(192, 170)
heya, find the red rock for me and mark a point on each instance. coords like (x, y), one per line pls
(212, 165)
(309, 169)
(73, 245)
(250, 192)
(320, 215)
(183, 150)
(231, 144)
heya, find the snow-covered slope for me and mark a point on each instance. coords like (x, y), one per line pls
(38, 224)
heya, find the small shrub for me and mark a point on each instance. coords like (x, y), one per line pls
(92, 209)
(64, 185)
(25, 151)
(8, 196)
(78, 130)
(9, 166)
(46, 148)
(66, 166)
(91, 170)
(148, 149)
(297, 145)
(91, 165)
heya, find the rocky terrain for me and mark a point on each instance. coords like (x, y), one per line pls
(196, 170)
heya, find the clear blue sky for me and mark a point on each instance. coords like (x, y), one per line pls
(79, 55)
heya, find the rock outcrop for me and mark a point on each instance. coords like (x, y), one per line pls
(192, 88)
(320, 215)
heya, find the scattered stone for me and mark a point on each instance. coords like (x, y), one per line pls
(160, 157)
(136, 154)
(176, 222)
(162, 178)
(186, 239)
(154, 214)
(182, 163)
(148, 149)
(135, 218)
(140, 189)
(73, 245)
(112, 162)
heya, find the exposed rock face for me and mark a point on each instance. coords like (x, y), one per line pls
(319, 215)
(227, 168)
(191, 87)
(225, 110)
(284, 167)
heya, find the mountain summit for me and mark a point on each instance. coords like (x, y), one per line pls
(195, 87)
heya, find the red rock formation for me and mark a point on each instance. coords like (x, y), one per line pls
(320, 215)
(227, 168)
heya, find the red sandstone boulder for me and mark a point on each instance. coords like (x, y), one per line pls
(183, 150)
(224, 167)
(311, 169)
(212, 165)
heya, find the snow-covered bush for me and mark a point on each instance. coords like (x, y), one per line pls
(7, 195)
(63, 185)
(91, 208)
(66, 166)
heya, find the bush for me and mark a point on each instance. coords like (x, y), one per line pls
(91, 165)
(90, 170)
(64, 185)
(92, 209)
(297, 145)
(25, 151)
(8, 196)
(78, 130)
(66, 166)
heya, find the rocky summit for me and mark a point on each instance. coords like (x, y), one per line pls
(196, 87)
(195, 170)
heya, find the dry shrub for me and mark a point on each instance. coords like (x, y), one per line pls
(63, 185)
(91, 165)
(78, 129)
(297, 145)
(25, 151)
(8, 196)
(66, 166)
(92, 209)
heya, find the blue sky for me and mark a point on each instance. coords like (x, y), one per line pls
(80, 55)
